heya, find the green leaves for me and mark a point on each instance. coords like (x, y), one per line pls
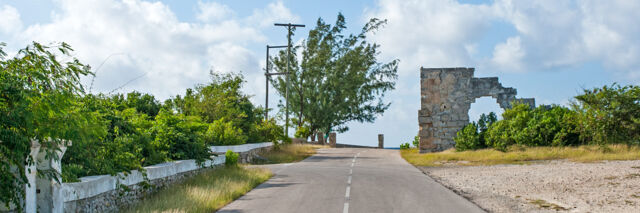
(610, 114)
(41, 98)
(221, 133)
(38, 101)
(338, 78)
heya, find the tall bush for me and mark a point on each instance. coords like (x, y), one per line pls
(180, 137)
(610, 114)
(473, 136)
(541, 126)
(222, 132)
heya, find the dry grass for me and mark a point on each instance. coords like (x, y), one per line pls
(289, 153)
(521, 155)
(546, 205)
(205, 192)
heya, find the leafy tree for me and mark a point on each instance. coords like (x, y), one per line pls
(221, 99)
(38, 101)
(338, 78)
(468, 138)
(222, 132)
(268, 131)
(610, 114)
(180, 137)
(542, 126)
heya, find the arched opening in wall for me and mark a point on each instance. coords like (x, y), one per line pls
(484, 105)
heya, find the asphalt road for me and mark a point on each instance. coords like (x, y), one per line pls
(350, 180)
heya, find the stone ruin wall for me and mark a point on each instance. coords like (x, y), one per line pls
(446, 97)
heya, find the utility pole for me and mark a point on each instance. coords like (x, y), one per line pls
(268, 75)
(290, 27)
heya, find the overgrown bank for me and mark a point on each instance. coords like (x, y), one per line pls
(42, 99)
(205, 192)
(288, 153)
(522, 155)
(600, 116)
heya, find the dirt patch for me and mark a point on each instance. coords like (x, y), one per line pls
(551, 186)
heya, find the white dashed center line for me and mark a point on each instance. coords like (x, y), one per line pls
(348, 192)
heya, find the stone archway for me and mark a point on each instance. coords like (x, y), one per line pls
(446, 97)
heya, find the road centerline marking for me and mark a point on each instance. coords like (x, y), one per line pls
(347, 194)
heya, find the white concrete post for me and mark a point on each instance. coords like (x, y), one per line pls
(31, 172)
(50, 198)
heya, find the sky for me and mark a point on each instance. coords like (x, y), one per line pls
(549, 50)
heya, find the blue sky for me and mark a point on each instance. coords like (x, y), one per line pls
(549, 50)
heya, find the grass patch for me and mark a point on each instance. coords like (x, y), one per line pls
(205, 192)
(546, 205)
(288, 153)
(522, 155)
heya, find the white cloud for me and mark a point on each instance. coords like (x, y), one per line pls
(274, 12)
(569, 33)
(430, 33)
(509, 55)
(10, 21)
(146, 39)
(213, 11)
(548, 34)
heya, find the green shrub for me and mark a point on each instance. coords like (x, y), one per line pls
(268, 131)
(473, 136)
(404, 146)
(610, 114)
(222, 132)
(231, 158)
(180, 137)
(542, 126)
(416, 141)
(468, 138)
(302, 132)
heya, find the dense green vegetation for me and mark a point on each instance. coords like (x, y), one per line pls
(338, 78)
(600, 116)
(42, 99)
(39, 101)
(137, 130)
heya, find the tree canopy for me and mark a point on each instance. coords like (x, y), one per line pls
(38, 101)
(338, 79)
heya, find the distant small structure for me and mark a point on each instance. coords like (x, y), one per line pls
(446, 97)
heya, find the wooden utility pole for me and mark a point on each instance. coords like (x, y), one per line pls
(290, 28)
(267, 76)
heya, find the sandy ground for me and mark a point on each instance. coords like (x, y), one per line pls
(549, 186)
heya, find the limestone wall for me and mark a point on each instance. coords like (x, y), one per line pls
(106, 193)
(446, 97)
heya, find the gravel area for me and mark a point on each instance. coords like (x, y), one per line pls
(549, 186)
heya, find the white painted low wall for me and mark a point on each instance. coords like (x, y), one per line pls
(91, 186)
(240, 148)
(94, 185)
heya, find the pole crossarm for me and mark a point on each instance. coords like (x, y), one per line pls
(279, 46)
(277, 73)
(289, 25)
